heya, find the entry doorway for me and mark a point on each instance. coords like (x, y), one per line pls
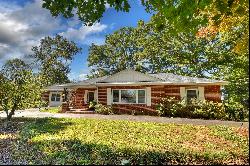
(91, 96)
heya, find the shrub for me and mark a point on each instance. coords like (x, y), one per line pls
(236, 111)
(103, 109)
(171, 107)
(166, 106)
(92, 104)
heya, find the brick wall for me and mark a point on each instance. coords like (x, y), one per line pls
(212, 93)
(157, 92)
(65, 107)
(77, 100)
(45, 97)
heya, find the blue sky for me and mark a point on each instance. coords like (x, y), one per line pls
(23, 23)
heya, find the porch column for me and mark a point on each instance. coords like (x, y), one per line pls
(85, 96)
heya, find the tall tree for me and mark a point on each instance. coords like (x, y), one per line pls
(147, 49)
(19, 87)
(87, 11)
(53, 57)
(118, 53)
(161, 50)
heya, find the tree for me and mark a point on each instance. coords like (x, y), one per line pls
(87, 11)
(118, 53)
(160, 50)
(53, 57)
(147, 49)
(19, 87)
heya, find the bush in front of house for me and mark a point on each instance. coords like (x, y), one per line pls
(92, 105)
(103, 109)
(236, 111)
(171, 107)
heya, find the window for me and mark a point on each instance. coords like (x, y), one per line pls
(141, 96)
(191, 93)
(91, 96)
(115, 96)
(128, 96)
(55, 97)
(136, 96)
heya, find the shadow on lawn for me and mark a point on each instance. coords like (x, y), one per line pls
(45, 125)
(77, 152)
(74, 151)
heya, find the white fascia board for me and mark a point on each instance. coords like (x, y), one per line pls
(156, 83)
(84, 86)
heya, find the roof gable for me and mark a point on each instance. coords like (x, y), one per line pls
(129, 75)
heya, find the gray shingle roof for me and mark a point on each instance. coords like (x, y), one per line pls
(149, 78)
(173, 78)
(85, 82)
(55, 88)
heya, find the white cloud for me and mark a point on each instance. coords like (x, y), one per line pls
(73, 76)
(84, 31)
(83, 76)
(22, 27)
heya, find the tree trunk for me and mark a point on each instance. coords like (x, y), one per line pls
(10, 114)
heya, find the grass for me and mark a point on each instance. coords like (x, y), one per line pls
(91, 141)
(51, 109)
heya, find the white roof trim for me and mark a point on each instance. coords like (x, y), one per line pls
(159, 83)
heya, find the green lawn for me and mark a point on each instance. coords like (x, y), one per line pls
(51, 109)
(90, 141)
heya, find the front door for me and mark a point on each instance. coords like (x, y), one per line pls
(90, 96)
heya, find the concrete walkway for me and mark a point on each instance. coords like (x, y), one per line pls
(35, 113)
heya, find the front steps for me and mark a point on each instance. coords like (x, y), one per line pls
(81, 111)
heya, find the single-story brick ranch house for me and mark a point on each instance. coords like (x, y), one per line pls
(130, 90)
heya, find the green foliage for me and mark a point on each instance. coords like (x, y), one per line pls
(237, 111)
(101, 142)
(19, 87)
(87, 11)
(149, 49)
(118, 53)
(51, 109)
(53, 57)
(205, 38)
(194, 109)
(103, 109)
(92, 104)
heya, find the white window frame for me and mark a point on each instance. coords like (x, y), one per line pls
(54, 93)
(196, 89)
(119, 102)
(88, 95)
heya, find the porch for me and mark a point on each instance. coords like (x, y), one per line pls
(77, 100)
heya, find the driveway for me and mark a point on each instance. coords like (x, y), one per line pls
(35, 113)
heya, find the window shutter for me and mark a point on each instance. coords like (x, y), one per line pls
(201, 93)
(108, 96)
(85, 96)
(148, 89)
(95, 95)
(182, 93)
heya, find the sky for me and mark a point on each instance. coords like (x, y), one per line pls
(23, 23)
